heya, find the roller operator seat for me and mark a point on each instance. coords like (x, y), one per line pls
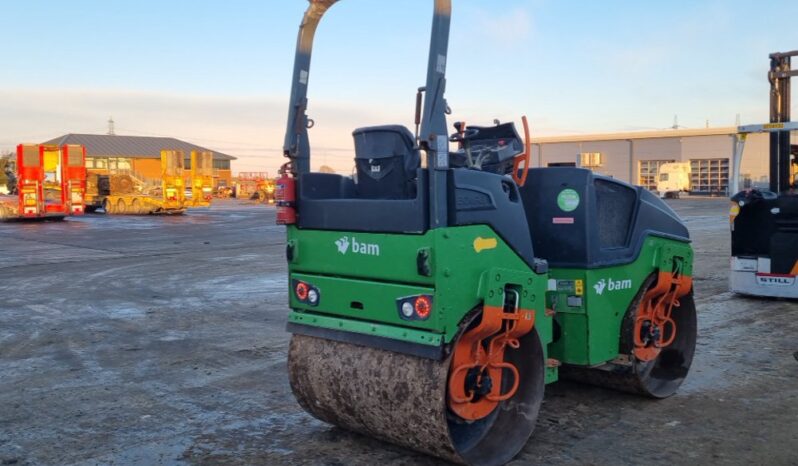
(387, 160)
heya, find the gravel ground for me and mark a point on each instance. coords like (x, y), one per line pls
(160, 340)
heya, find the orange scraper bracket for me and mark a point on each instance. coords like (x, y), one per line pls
(655, 328)
(478, 364)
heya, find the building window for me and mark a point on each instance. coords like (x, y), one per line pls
(89, 162)
(119, 163)
(649, 171)
(221, 164)
(100, 163)
(709, 176)
(590, 160)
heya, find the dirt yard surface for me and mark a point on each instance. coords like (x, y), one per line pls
(148, 340)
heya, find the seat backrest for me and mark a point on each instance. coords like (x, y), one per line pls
(386, 160)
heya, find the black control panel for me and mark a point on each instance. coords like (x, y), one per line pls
(486, 148)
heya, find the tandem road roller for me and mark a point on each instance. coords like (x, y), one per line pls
(432, 300)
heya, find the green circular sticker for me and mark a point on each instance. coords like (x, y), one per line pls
(568, 200)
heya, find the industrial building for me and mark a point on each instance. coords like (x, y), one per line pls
(635, 157)
(141, 154)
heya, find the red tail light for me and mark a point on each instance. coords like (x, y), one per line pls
(306, 293)
(301, 291)
(423, 307)
(415, 307)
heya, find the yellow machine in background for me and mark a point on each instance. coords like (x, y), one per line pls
(172, 166)
(256, 186)
(201, 178)
(129, 193)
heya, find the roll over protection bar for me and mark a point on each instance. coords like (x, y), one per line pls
(433, 137)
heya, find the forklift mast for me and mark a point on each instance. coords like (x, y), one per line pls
(433, 137)
(780, 99)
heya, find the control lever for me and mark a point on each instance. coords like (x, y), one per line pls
(463, 136)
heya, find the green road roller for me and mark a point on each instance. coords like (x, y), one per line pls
(435, 292)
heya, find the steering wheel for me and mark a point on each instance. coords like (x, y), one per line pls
(468, 134)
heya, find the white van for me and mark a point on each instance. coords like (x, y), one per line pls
(673, 179)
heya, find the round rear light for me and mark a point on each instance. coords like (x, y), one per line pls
(407, 309)
(301, 291)
(423, 306)
(313, 296)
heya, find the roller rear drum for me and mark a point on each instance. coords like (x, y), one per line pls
(403, 399)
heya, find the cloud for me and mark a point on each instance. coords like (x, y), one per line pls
(515, 25)
(505, 28)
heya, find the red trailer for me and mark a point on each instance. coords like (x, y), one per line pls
(55, 204)
(73, 169)
(30, 177)
(50, 183)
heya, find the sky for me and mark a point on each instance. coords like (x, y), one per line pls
(217, 73)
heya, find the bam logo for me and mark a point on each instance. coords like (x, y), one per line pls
(345, 244)
(599, 286)
(612, 285)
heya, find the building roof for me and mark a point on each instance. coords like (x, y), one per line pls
(105, 145)
(665, 133)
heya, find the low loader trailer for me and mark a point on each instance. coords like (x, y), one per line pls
(431, 301)
(201, 178)
(49, 182)
(129, 194)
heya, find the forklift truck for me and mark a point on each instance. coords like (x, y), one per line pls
(764, 224)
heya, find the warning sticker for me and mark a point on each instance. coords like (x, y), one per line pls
(567, 286)
(562, 220)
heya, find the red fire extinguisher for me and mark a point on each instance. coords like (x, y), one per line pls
(285, 196)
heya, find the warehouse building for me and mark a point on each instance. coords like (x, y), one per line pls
(140, 154)
(635, 157)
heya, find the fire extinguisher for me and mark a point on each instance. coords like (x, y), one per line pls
(285, 196)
